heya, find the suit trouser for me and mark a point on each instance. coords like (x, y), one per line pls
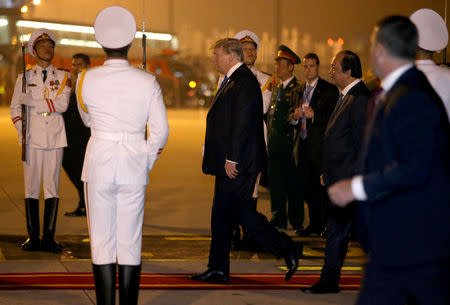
(230, 205)
(285, 187)
(115, 215)
(73, 165)
(426, 284)
(315, 196)
(46, 163)
(340, 224)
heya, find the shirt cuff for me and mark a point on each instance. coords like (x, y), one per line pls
(358, 188)
(230, 161)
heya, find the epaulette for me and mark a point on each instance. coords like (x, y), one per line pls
(62, 69)
(29, 69)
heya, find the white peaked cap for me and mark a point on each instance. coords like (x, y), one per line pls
(114, 27)
(247, 36)
(38, 35)
(433, 34)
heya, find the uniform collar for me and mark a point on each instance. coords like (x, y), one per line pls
(286, 82)
(425, 62)
(39, 68)
(116, 62)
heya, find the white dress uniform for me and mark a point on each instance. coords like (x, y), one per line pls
(439, 78)
(46, 136)
(117, 101)
(433, 36)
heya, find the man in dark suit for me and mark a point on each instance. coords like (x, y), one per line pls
(77, 137)
(235, 154)
(341, 146)
(403, 178)
(318, 101)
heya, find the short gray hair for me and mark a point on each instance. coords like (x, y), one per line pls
(230, 45)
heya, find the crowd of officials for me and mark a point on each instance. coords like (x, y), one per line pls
(374, 165)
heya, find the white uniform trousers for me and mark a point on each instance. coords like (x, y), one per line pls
(46, 163)
(115, 217)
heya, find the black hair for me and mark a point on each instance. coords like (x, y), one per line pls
(399, 36)
(86, 59)
(350, 61)
(121, 52)
(312, 56)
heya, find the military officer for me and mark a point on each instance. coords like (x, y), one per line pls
(118, 101)
(283, 177)
(250, 42)
(46, 98)
(433, 37)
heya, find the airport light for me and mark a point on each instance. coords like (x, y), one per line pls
(83, 29)
(3, 22)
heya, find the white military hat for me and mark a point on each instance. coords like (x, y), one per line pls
(247, 36)
(433, 34)
(114, 27)
(38, 35)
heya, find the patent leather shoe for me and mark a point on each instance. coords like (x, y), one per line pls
(211, 276)
(292, 261)
(31, 244)
(320, 288)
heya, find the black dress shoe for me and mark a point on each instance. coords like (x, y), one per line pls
(77, 213)
(32, 244)
(292, 261)
(320, 288)
(51, 245)
(211, 276)
(307, 232)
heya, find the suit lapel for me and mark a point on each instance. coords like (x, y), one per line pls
(221, 89)
(338, 110)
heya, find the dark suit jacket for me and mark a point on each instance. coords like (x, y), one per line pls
(234, 126)
(323, 102)
(343, 135)
(405, 164)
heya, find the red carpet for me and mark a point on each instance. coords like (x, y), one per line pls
(85, 280)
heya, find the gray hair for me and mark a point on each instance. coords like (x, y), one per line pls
(230, 45)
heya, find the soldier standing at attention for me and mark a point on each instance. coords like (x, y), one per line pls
(118, 102)
(283, 176)
(46, 98)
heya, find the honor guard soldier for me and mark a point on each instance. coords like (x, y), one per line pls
(283, 176)
(250, 43)
(118, 101)
(433, 37)
(46, 97)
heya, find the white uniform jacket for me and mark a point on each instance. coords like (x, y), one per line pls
(439, 78)
(117, 101)
(45, 104)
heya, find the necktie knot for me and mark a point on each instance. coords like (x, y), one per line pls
(307, 93)
(224, 81)
(44, 75)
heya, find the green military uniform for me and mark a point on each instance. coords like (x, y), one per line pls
(283, 177)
